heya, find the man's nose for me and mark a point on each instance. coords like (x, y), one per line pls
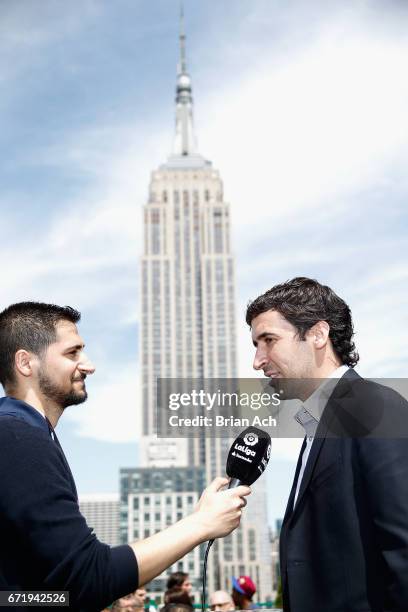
(259, 360)
(85, 365)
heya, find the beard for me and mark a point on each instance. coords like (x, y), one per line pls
(293, 388)
(54, 392)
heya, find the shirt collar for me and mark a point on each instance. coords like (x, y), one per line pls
(312, 409)
(9, 406)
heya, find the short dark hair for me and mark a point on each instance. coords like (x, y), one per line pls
(30, 326)
(176, 579)
(303, 302)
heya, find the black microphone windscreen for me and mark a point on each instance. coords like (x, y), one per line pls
(249, 455)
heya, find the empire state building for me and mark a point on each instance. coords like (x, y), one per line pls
(188, 288)
(188, 327)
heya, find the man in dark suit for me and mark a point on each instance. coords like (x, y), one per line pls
(344, 539)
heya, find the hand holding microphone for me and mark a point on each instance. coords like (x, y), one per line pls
(220, 511)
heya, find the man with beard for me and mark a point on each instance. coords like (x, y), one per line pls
(344, 538)
(45, 541)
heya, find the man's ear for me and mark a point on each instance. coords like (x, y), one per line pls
(319, 334)
(24, 361)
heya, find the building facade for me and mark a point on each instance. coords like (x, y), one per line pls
(101, 512)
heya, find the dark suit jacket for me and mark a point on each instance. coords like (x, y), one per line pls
(344, 547)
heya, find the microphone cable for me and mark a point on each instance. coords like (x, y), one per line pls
(207, 550)
(234, 482)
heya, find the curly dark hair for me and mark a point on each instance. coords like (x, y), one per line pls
(303, 302)
(29, 326)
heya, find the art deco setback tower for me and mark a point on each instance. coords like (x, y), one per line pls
(188, 292)
(188, 320)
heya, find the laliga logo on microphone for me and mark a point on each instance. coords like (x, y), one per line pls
(244, 449)
(251, 439)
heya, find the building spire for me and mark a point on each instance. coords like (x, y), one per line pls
(184, 142)
(182, 39)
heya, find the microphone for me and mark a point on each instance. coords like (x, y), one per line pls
(248, 457)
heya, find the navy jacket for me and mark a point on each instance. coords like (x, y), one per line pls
(45, 542)
(344, 546)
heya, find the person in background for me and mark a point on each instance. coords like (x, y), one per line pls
(179, 589)
(130, 603)
(176, 595)
(134, 602)
(243, 589)
(221, 601)
(179, 579)
(178, 598)
(140, 596)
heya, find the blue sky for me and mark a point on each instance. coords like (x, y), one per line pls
(302, 108)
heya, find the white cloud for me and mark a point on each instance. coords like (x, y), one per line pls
(320, 125)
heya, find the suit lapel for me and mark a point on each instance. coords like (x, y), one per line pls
(289, 507)
(287, 517)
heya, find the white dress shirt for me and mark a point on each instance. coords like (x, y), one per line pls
(309, 416)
